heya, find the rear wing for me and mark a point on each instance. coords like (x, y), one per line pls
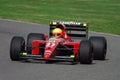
(74, 29)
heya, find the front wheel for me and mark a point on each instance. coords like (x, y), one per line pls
(16, 47)
(85, 52)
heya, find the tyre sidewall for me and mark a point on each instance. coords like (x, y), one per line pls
(16, 47)
(85, 52)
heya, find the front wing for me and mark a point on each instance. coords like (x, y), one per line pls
(55, 58)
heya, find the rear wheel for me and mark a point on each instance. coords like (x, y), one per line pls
(17, 46)
(31, 37)
(99, 47)
(85, 52)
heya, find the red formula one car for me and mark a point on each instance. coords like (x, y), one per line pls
(60, 45)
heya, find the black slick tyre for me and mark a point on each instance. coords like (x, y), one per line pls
(31, 37)
(99, 47)
(85, 52)
(16, 47)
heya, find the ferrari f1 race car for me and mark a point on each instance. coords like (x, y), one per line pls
(60, 45)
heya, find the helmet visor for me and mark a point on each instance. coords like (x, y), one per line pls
(55, 35)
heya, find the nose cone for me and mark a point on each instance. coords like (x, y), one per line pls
(50, 48)
(46, 56)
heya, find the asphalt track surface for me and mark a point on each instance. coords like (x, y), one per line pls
(15, 70)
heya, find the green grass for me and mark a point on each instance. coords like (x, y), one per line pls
(102, 15)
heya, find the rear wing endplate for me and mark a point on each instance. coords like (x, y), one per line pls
(74, 29)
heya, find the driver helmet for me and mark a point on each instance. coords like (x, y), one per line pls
(57, 32)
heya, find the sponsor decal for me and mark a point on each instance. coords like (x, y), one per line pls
(47, 51)
(23, 54)
(54, 23)
(84, 24)
(72, 56)
(69, 23)
(76, 23)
